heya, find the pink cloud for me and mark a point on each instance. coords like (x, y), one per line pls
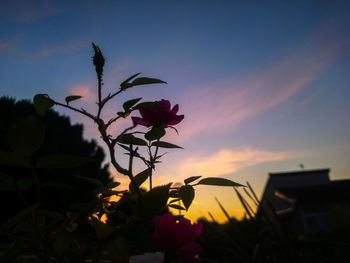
(26, 11)
(85, 90)
(225, 104)
(225, 161)
(63, 48)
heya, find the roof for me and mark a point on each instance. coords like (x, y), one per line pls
(299, 178)
(334, 191)
(314, 171)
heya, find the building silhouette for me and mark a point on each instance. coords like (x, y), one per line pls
(305, 200)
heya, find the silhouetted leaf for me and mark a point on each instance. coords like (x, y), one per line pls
(14, 159)
(128, 138)
(146, 81)
(42, 102)
(62, 161)
(112, 185)
(155, 133)
(187, 195)
(124, 147)
(102, 230)
(175, 200)
(26, 135)
(128, 104)
(174, 194)
(125, 84)
(179, 207)
(191, 179)
(88, 179)
(147, 105)
(162, 144)
(218, 181)
(140, 178)
(153, 202)
(71, 98)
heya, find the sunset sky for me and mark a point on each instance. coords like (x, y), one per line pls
(263, 87)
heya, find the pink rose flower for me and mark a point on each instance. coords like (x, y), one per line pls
(159, 116)
(177, 238)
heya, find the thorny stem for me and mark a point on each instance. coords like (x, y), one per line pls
(131, 157)
(82, 111)
(100, 104)
(105, 138)
(152, 160)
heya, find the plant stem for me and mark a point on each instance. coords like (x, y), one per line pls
(82, 111)
(152, 160)
(36, 179)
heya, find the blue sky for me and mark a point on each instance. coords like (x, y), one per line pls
(263, 87)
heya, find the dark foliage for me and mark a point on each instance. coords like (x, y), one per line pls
(60, 190)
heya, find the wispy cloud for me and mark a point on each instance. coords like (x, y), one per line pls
(63, 48)
(225, 104)
(26, 11)
(225, 161)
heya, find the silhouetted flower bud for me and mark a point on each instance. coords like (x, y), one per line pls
(98, 59)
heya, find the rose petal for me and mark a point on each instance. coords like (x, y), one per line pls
(165, 105)
(175, 119)
(175, 109)
(140, 121)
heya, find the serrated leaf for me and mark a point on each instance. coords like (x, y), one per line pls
(112, 185)
(26, 135)
(128, 138)
(191, 179)
(155, 133)
(187, 195)
(125, 83)
(140, 178)
(147, 105)
(218, 181)
(42, 103)
(179, 207)
(146, 81)
(128, 104)
(162, 144)
(72, 98)
(62, 161)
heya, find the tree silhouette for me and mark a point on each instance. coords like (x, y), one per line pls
(60, 188)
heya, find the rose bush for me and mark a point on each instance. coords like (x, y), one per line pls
(127, 228)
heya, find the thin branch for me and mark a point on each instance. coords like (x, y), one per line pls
(111, 121)
(84, 112)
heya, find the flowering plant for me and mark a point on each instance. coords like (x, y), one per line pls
(138, 216)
